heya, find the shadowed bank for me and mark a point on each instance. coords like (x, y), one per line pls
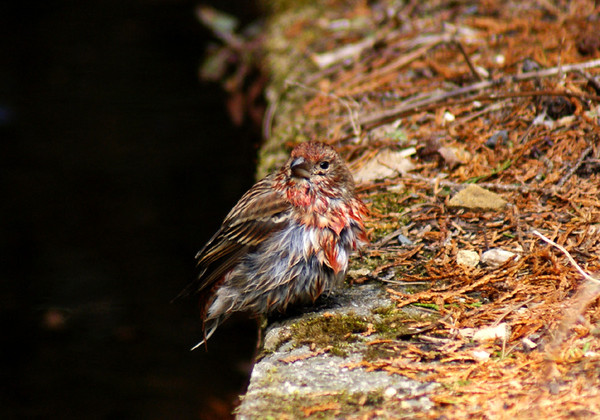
(118, 164)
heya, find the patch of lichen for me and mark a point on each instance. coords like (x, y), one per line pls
(337, 331)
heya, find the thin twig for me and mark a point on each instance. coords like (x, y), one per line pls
(585, 295)
(575, 167)
(526, 133)
(513, 308)
(569, 257)
(397, 111)
(390, 236)
(490, 108)
(431, 103)
(267, 127)
(396, 282)
(488, 185)
(519, 229)
(401, 61)
(566, 68)
(467, 59)
(344, 101)
(429, 327)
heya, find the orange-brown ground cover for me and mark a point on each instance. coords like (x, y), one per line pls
(512, 91)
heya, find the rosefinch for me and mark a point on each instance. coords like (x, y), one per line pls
(286, 241)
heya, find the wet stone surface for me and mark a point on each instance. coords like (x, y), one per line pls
(295, 374)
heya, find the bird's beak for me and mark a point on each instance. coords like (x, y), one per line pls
(300, 168)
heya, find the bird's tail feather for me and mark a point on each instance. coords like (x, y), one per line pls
(210, 326)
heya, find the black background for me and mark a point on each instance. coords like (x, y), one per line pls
(117, 164)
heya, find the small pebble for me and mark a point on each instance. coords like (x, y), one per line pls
(467, 258)
(501, 331)
(530, 345)
(449, 117)
(475, 197)
(499, 137)
(466, 332)
(403, 240)
(390, 392)
(495, 257)
(481, 355)
(530, 65)
(360, 272)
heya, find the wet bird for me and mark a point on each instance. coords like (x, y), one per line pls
(286, 241)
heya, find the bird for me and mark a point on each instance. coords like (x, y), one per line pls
(286, 241)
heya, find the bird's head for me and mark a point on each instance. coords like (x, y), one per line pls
(318, 167)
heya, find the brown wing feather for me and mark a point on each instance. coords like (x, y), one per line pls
(244, 228)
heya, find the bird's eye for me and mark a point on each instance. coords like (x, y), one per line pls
(324, 165)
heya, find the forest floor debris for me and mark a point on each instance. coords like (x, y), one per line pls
(503, 95)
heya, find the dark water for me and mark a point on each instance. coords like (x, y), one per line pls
(116, 165)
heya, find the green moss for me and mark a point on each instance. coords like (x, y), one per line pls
(385, 310)
(392, 205)
(392, 322)
(364, 398)
(378, 352)
(338, 331)
(387, 202)
(368, 262)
